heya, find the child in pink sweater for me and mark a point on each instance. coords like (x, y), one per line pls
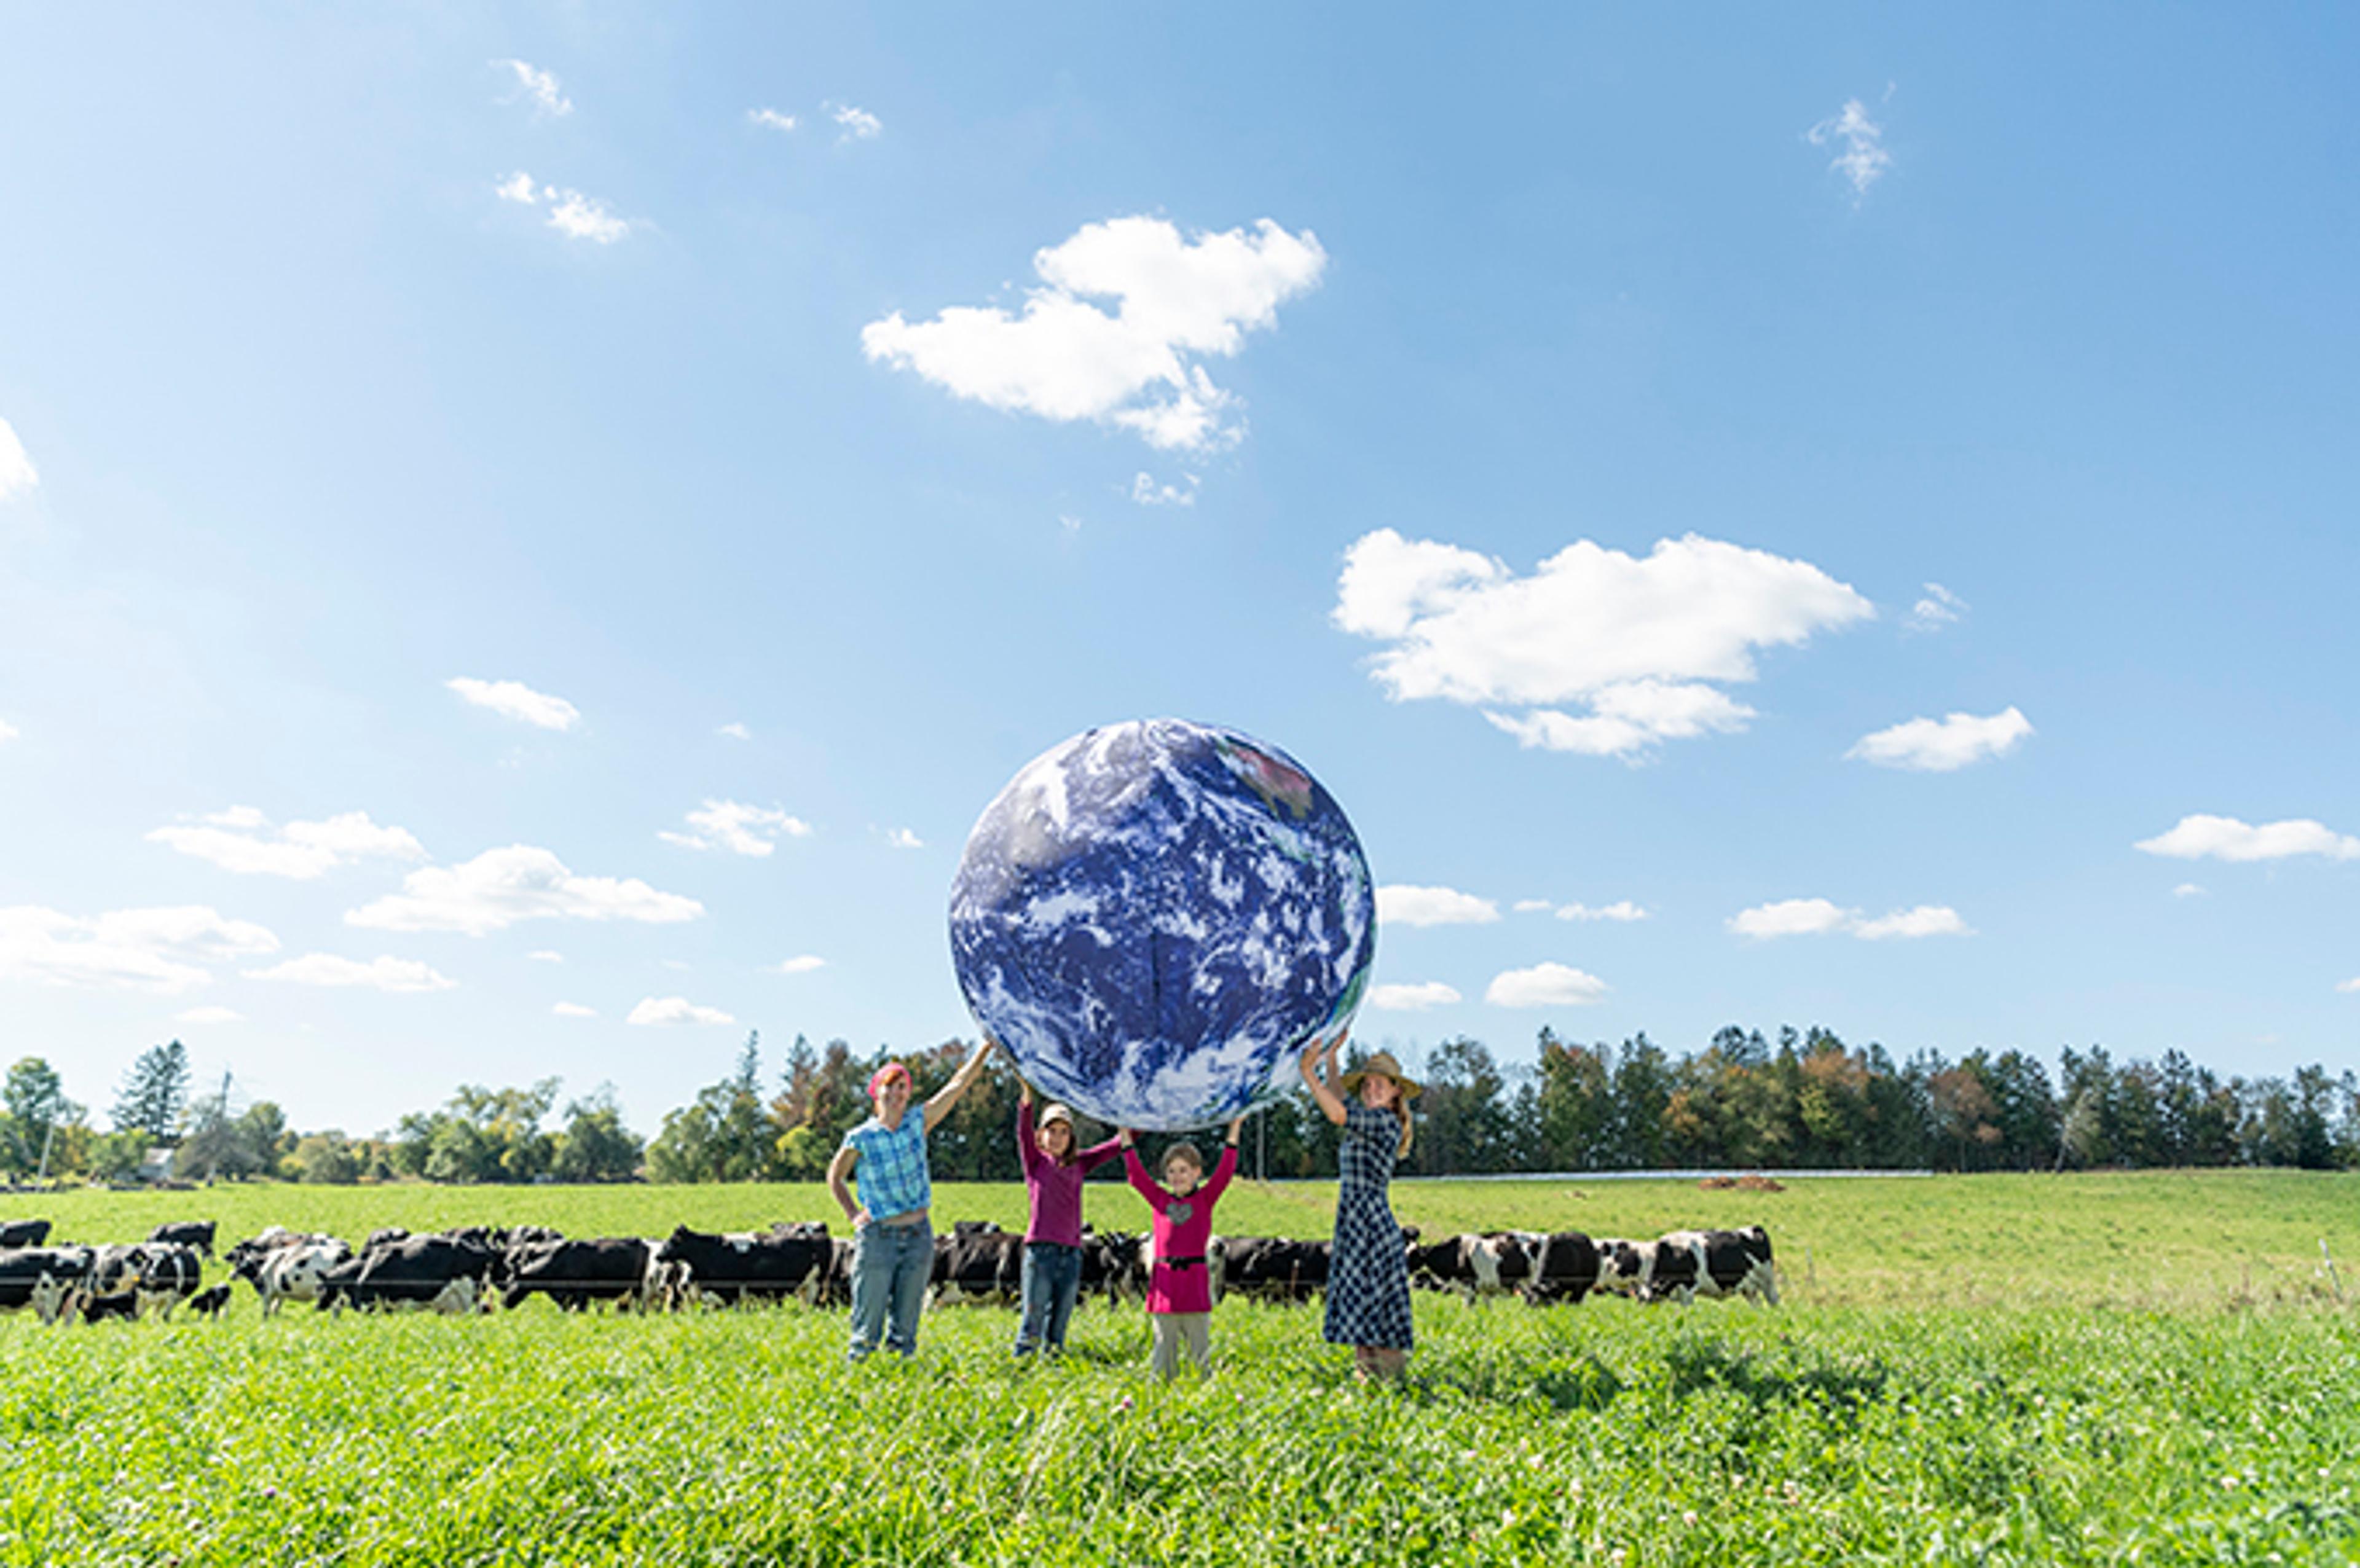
(1179, 1290)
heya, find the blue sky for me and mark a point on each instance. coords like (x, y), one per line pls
(492, 520)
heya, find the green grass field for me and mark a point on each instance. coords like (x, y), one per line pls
(2145, 1369)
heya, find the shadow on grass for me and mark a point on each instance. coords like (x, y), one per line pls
(1699, 1366)
(1584, 1385)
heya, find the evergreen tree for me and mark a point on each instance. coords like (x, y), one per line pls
(154, 1091)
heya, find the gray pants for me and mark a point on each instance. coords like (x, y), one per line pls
(1174, 1330)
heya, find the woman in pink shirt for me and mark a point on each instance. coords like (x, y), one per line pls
(1179, 1290)
(1053, 1171)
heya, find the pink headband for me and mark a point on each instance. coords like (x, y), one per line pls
(884, 1075)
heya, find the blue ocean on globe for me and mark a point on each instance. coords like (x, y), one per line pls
(1155, 916)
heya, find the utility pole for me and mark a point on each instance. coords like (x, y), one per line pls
(221, 1109)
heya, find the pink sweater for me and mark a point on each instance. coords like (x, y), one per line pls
(1055, 1188)
(1184, 1228)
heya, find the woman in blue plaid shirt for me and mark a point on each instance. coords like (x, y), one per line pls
(893, 1239)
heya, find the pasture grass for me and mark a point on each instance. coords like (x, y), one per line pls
(1998, 1370)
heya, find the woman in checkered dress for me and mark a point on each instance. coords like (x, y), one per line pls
(1368, 1276)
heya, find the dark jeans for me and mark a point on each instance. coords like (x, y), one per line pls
(1053, 1275)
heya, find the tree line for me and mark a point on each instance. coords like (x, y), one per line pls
(1800, 1100)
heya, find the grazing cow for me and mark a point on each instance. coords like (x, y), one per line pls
(836, 1287)
(168, 1274)
(1476, 1266)
(1112, 1264)
(429, 1271)
(43, 1278)
(298, 1272)
(1650, 1270)
(198, 1233)
(24, 1233)
(123, 1306)
(1268, 1267)
(725, 1269)
(273, 1238)
(576, 1273)
(1566, 1267)
(977, 1263)
(1618, 1266)
(208, 1302)
(1730, 1262)
(386, 1236)
(114, 1271)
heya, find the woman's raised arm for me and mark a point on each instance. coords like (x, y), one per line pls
(1317, 1057)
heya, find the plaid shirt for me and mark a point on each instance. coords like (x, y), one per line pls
(891, 1172)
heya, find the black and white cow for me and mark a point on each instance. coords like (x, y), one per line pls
(432, 1272)
(113, 1276)
(209, 1302)
(574, 1274)
(168, 1274)
(1113, 1264)
(198, 1233)
(298, 1270)
(977, 1263)
(273, 1238)
(1662, 1270)
(24, 1233)
(1730, 1262)
(725, 1269)
(1565, 1268)
(1268, 1267)
(43, 1278)
(1493, 1264)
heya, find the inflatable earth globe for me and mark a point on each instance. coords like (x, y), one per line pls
(1155, 916)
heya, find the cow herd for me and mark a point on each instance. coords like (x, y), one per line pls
(470, 1269)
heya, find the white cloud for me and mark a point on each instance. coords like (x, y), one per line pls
(515, 699)
(573, 1010)
(1819, 917)
(1544, 986)
(1178, 298)
(16, 470)
(1402, 905)
(160, 949)
(501, 886)
(735, 732)
(209, 1016)
(1926, 919)
(902, 838)
(1792, 916)
(516, 187)
(539, 88)
(675, 1010)
(1944, 745)
(2187, 890)
(857, 125)
(2225, 838)
(1411, 998)
(1148, 493)
(801, 964)
(772, 118)
(580, 217)
(734, 825)
(2351, 986)
(1638, 641)
(239, 840)
(546, 956)
(1938, 608)
(1864, 159)
(397, 974)
(1622, 910)
(1533, 906)
(9, 731)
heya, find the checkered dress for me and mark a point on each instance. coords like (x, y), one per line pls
(1367, 1280)
(891, 1172)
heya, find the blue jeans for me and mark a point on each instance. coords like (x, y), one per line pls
(890, 1267)
(1053, 1275)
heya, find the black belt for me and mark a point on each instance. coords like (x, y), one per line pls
(1181, 1262)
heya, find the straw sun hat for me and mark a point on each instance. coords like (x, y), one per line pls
(1382, 1065)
